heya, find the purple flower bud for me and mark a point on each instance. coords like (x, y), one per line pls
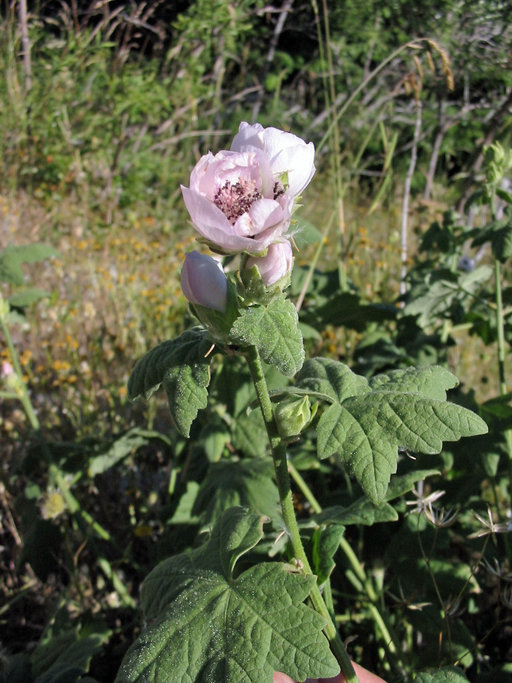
(275, 265)
(203, 281)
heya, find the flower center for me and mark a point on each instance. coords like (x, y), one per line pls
(235, 199)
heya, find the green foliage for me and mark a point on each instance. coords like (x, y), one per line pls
(499, 234)
(443, 675)
(273, 330)
(208, 621)
(66, 656)
(121, 448)
(182, 367)
(367, 423)
(12, 258)
(229, 484)
(11, 272)
(364, 511)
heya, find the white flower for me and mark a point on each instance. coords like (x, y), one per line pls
(288, 154)
(241, 200)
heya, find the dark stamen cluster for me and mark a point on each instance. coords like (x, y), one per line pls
(278, 189)
(235, 199)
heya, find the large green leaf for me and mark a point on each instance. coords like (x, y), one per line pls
(432, 381)
(330, 379)
(122, 447)
(363, 511)
(13, 256)
(274, 330)
(367, 431)
(367, 422)
(444, 289)
(205, 624)
(247, 483)
(183, 366)
(499, 234)
(446, 674)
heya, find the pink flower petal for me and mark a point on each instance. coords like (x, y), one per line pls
(264, 214)
(212, 224)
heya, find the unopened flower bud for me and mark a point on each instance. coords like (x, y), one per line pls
(292, 415)
(275, 265)
(203, 281)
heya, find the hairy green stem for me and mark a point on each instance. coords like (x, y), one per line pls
(285, 495)
(359, 575)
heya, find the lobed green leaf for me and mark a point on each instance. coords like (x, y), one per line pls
(205, 624)
(368, 422)
(331, 379)
(367, 431)
(183, 366)
(274, 330)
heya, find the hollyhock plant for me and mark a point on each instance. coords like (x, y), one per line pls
(276, 265)
(208, 616)
(241, 200)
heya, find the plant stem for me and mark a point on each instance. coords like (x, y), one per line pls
(501, 355)
(500, 332)
(390, 640)
(407, 194)
(278, 449)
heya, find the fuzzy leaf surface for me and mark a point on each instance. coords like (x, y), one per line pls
(432, 381)
(183, 367)
(206, 624)
(367, 431)
(247, 483)
(330, 378)
(367, 422)
(274, 330)
(447, 674)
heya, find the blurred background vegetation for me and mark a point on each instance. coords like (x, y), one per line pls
(105, 108)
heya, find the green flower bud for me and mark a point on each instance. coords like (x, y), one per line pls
(293, 415)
